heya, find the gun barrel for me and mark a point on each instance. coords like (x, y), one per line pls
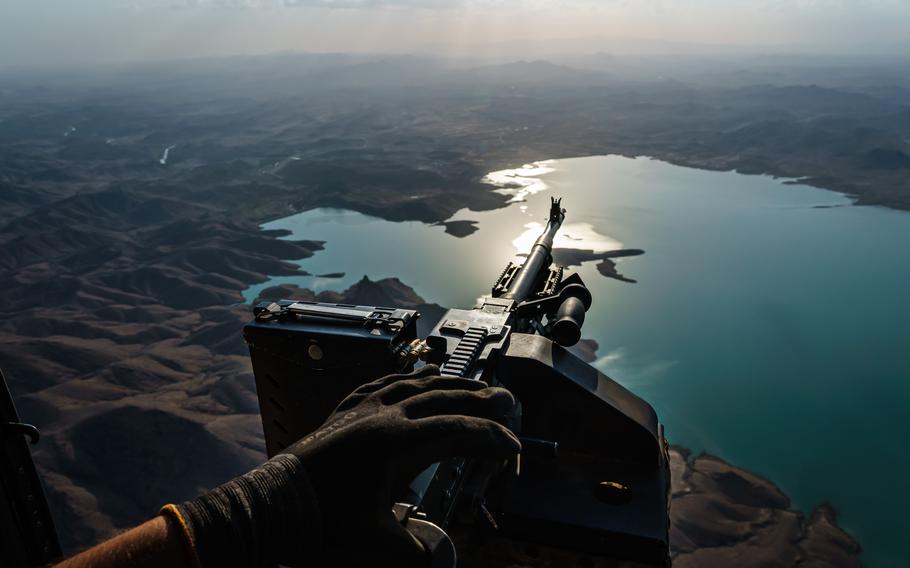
(529, 276)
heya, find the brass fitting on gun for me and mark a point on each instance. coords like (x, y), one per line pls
(411, 352)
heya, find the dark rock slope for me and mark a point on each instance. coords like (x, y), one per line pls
(723, 515)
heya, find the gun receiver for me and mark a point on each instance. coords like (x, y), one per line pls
(594, 468)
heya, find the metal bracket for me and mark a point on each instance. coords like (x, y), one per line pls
(438, 545)
(462, 359)
(27, 430)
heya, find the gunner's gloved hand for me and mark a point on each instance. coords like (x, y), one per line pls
(326, 500)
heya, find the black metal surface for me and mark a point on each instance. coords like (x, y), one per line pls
(462, 358)
(547, 305)
(567, 401)
(308, 356)
(27, 534)
(604, 434)
(436, 542)
(464, 340)
(567, 325)
(27, 430)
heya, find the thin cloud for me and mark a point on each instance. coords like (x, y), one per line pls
(277, 4)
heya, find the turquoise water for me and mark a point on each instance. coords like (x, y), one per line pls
(770, 323)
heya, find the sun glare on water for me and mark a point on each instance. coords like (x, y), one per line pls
(578, 236)
(521, 182)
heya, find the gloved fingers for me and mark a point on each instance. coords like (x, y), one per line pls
(428, 370)
(491, 402)
(367, 389)
(378, 384)
(397, 392)
(441, 437)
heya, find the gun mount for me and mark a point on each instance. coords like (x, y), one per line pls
(593, 473)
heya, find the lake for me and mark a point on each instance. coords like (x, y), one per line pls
(769, 325)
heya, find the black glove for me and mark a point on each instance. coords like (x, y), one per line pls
(327, 499)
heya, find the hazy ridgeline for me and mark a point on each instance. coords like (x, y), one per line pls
(840, 123)
(122, 267)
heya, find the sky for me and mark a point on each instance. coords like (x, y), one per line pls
(61, 32)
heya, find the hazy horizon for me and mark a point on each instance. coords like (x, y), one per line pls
(56, 32)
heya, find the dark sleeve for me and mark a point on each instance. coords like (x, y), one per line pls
(261, 518)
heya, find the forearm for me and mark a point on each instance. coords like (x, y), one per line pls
(156, 543)
(266, 516)
(269, 515)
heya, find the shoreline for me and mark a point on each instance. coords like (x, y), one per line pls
(395, 213)
(766, 529)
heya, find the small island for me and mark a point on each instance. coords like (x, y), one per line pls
(459, 228)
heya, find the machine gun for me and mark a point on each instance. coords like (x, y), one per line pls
(593, 473)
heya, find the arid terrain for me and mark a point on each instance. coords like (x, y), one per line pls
(122, 264)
